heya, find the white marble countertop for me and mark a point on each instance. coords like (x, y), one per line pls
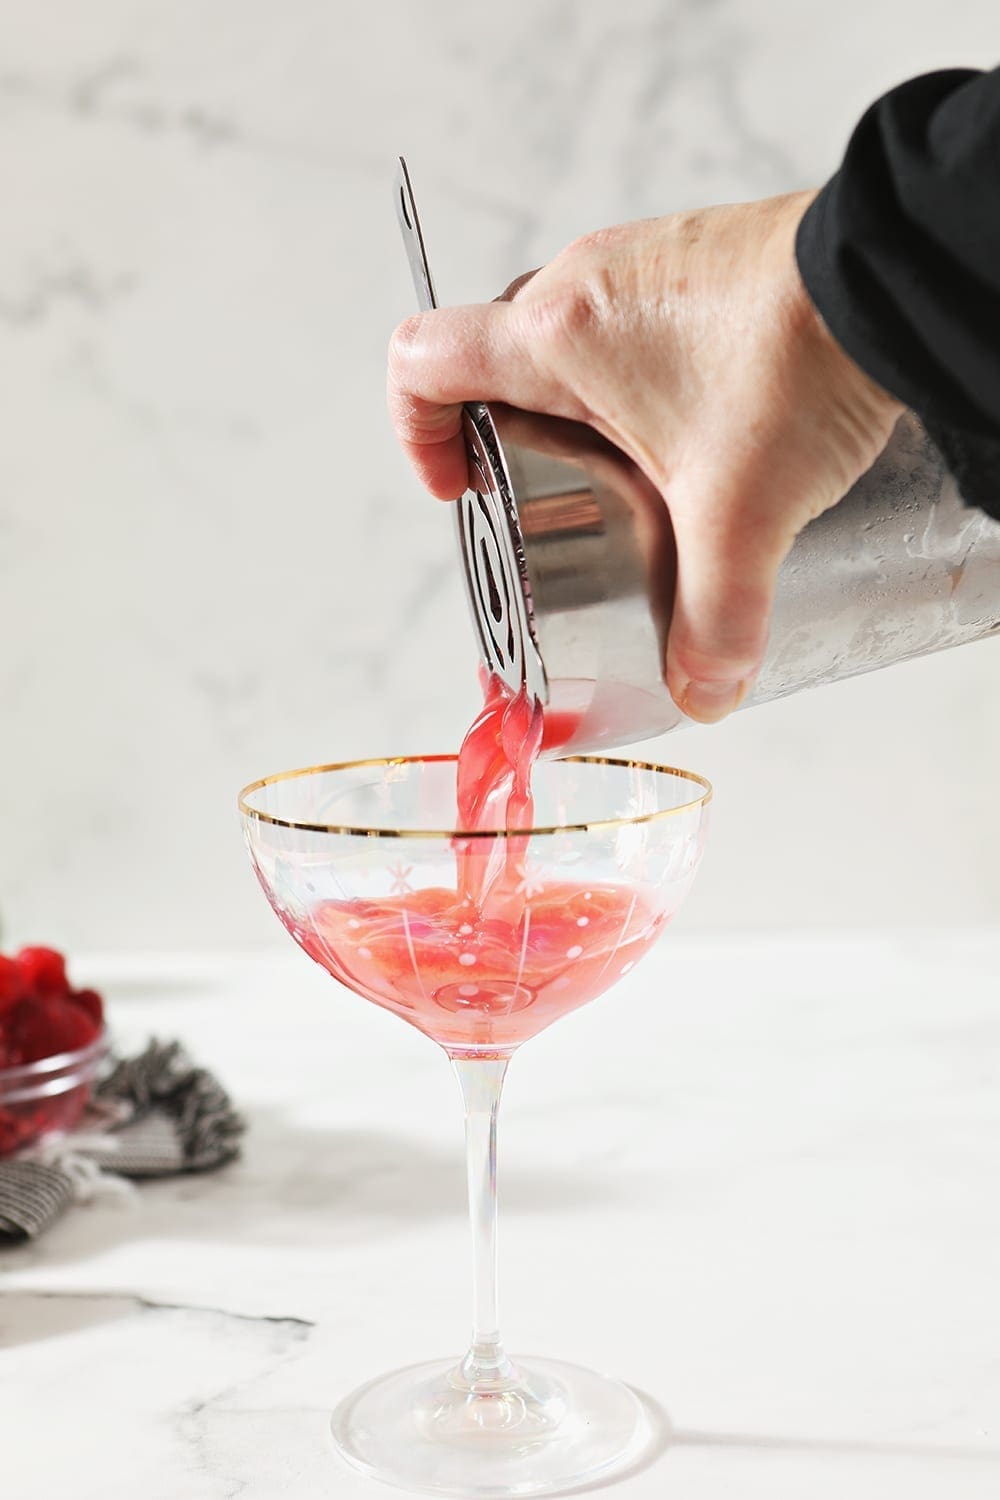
(759, 1183)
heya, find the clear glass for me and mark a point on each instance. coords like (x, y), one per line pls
(47, 1096)
(362, 868)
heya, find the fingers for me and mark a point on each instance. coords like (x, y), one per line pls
(728, 558)
(431, 437)
(511, 291)
(438, 361)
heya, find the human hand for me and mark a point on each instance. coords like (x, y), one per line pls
(691, 343)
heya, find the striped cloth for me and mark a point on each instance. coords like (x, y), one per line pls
(154, 1115)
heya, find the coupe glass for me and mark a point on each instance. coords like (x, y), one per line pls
(362, 867)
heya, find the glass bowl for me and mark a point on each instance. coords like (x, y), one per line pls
(49, 1095)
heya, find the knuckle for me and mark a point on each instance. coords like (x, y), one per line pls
(403, 414)
(703, 661)
(729, 640)
(722, 613)
(420, 421)
(581, 291)
(577, 312)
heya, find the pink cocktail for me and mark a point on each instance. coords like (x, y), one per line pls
(476, 979)
(480, 900)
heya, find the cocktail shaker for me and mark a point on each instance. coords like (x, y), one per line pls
(568, 558)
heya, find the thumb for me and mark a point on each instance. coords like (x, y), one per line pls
(728, 556)
(439, 360)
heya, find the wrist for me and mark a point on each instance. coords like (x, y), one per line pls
(858, 408)
(843, 371)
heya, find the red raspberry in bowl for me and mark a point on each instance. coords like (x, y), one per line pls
(40, 1015)
(47, 1026)
(42, 1018)
(90, 1002)
(44, 971)
(12, 983)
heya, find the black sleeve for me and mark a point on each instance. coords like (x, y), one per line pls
(901, 255)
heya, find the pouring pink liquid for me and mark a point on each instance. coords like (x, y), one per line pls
(488, 964)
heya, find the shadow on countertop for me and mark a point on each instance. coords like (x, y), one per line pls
(327, 1187)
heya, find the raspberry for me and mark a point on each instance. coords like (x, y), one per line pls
(44, 971)
(12, 983)
(46, 1026)
(91, 1002)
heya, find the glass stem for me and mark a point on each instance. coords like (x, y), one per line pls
(486, 1366)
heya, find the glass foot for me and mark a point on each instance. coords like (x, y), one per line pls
(551, 1429)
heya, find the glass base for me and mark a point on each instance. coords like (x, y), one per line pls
(552, 1429)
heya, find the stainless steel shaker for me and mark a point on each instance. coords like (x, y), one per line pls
(568, 558)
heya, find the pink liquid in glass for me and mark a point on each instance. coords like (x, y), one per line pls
(488, 964)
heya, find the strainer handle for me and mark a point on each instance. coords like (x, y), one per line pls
(413, 239)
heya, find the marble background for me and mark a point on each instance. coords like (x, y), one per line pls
(213, 562)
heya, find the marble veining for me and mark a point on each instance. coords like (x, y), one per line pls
(776, 1158)
(214, 561)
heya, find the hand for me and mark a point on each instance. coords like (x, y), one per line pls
(689, 342)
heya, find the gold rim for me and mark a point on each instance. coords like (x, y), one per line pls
(471, 833)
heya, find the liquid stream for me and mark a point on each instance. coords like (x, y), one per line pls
(482, 966)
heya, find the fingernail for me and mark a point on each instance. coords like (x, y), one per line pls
(710, 701)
